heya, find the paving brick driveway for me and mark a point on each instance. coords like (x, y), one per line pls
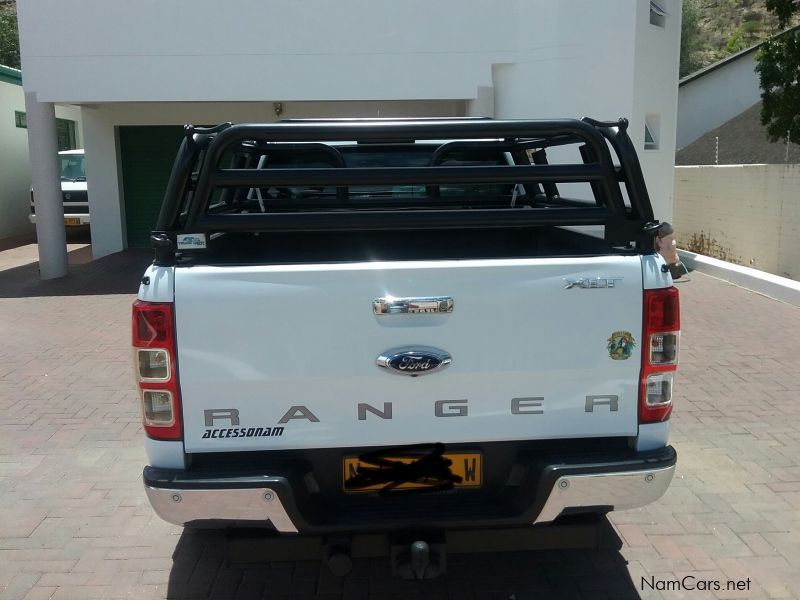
(74, 522)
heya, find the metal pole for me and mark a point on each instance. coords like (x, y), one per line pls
(43, 150)
(716, 150)
(788, 139)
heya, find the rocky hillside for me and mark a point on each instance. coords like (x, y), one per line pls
(714, 29)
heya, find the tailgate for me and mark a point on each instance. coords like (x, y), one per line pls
(284, 357)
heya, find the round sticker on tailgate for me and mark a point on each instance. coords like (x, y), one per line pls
(620, 345)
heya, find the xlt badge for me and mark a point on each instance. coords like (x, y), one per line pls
(414, 360)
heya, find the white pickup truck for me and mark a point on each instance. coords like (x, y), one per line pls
(382, 326)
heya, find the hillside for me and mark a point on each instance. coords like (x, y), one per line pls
(714, 29)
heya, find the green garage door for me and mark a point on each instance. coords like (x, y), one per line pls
(146, 154)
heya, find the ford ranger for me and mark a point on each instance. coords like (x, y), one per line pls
(388, 325)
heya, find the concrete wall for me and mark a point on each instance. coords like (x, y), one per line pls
(746, 214)
(718, 95)
(243, 50)
(15, 177)
(14, 164)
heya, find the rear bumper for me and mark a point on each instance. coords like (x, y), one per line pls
(183, 506)
(186, 498)
(76, 219)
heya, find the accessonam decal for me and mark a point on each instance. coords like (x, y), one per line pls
(620, 345)
(189, 241)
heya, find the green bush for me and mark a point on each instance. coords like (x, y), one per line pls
(750, 27)
(735, 43)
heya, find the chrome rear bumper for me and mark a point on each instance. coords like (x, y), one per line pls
(259, 505)
(616, 490)
(270, 500)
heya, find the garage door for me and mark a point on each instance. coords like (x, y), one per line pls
(146, 154)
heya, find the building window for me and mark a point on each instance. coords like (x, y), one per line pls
(658, 16)
(65, 130)
(66, 134)
(652, 124)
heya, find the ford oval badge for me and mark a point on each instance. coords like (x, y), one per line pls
(414, 360)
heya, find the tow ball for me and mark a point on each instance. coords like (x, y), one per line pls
(420, 558)
(413, 556)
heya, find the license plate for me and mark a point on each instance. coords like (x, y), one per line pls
(71, 221)
(467, 465)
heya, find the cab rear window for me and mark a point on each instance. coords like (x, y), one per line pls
(309, 197)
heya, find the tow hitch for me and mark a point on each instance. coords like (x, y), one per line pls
(413, 554)
(418, 556)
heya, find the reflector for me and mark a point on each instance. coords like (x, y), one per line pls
(662, 310)
(152, 324)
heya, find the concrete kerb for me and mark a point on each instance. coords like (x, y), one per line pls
(774, 286)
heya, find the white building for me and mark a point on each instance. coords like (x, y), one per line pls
(714, 95)
(15, 171)
(141, 69)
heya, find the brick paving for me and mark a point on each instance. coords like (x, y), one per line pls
(74, 521)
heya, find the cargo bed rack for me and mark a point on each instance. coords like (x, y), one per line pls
(198, 174)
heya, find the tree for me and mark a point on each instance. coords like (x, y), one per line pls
(778, 67)
(689, 38)
(9, 36)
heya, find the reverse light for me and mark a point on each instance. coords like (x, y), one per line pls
(661, 336)
(664, 348)
(155, 367)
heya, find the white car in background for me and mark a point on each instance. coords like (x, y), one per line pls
(72, 168)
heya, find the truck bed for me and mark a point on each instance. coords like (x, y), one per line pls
(322, 247)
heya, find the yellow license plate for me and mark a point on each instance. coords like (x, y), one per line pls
(466, 465)
(72, 221)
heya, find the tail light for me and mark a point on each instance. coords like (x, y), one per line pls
(156, 369)
(662, 325)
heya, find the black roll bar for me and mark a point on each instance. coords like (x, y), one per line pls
(621, 225)
(365, 131)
